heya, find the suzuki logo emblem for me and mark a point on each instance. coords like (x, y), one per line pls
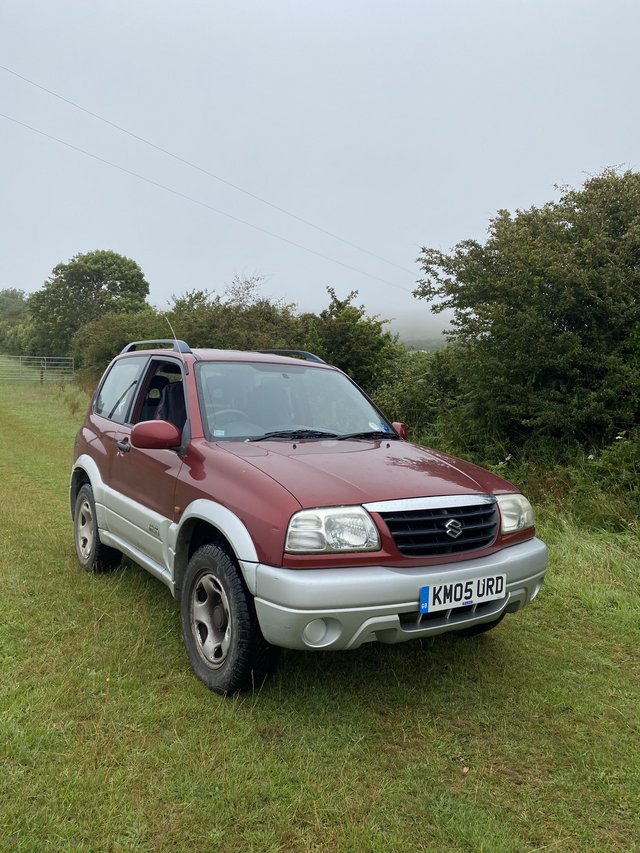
(453, 528)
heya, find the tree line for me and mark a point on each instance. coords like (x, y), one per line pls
(543, 352)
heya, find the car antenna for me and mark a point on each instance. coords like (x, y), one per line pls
(182, 358)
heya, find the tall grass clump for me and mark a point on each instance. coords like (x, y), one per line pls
(74, 397)
(599, 489)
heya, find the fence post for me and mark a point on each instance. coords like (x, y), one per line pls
(42, 367)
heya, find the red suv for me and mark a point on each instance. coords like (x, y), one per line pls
(283, 509)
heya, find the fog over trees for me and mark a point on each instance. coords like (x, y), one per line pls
(541, 357)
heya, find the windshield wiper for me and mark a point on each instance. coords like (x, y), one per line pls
(293, 434)
(373, 434)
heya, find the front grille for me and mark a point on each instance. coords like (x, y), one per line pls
(415, 620)
(424, 532)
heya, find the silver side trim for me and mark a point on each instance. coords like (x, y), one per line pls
(158, 571)
(125, 524)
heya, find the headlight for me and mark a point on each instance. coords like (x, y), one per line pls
(341, 528)
(516, 512)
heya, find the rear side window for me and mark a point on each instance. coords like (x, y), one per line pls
(119, 389)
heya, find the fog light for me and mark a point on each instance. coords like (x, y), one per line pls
(315, 632)
(322, 632)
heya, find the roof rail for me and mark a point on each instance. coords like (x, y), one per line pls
(307, 356)
(176, 345)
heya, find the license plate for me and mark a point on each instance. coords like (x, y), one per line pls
(443, 596)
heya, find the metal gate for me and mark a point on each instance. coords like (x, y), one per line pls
(36, 368)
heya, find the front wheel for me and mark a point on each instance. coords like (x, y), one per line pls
(93, 556)
(220, 629)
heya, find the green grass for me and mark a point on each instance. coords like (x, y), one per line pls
(523, 740)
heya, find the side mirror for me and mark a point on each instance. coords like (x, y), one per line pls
(155, 435)
(402, 430)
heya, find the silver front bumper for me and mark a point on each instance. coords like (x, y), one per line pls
(344, 608)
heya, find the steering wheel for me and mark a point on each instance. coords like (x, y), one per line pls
(216, 415)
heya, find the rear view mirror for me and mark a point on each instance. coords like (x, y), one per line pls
(402, 430)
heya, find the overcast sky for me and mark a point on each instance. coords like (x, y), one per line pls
(393, 125)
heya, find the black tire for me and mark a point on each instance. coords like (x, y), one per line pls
(474, 630)
(220, 629)
(93, 556)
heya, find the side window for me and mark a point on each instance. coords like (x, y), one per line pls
(119, 388)
(156, 392)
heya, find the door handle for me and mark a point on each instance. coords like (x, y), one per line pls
(124, 445)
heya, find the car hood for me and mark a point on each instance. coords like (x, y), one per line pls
(330, 473)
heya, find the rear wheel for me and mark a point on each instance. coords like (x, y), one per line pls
(93, 556)
(221, 634)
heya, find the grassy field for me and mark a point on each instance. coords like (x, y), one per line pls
(526, 739)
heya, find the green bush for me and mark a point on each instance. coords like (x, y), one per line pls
(610, 481)
(407, 394)
(546, 321)
(97, 342)
(598, 489)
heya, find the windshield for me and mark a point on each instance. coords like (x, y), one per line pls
(252, 400)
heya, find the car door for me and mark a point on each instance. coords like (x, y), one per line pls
(144, 481)
(110, 410)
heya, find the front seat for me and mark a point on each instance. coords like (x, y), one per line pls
(153, 397)
(172, 406)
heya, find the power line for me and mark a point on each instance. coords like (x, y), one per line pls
(201, 203)
(202, 170)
